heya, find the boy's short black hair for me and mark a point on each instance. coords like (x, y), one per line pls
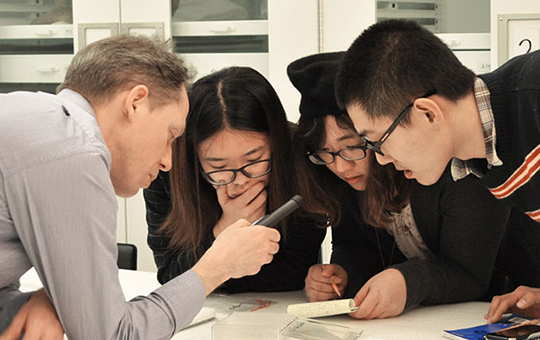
(394, 62)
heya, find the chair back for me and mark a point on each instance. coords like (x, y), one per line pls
(127, 256)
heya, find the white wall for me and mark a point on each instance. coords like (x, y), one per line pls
(344, 20)
(507, 7)
(293, 33)
(293, 28)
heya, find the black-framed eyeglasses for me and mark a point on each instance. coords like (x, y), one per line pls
(376, 146)
(351, 153)
(227, 176)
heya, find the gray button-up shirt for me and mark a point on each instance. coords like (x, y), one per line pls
(58, 214)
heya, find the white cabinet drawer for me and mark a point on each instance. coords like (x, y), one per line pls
(466, 41)
(205, 64)
(33, 68)
(472, 49)
(248, 27)
(36, 32)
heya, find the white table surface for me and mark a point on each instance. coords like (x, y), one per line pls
(416, 324)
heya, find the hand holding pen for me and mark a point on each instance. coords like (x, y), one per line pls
(326, 282)
(333, 283)
(282, 212)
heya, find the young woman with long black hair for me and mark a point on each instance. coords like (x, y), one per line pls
(233, 161)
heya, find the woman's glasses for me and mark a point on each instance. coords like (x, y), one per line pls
(227, 176)
(351, 153)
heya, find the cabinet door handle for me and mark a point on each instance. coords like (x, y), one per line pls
(48, 69)
(222, 28)
(46, 33)
(455, 42)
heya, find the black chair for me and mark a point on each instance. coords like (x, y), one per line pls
(127, 256)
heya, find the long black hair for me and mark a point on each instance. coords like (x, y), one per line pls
(235, 98)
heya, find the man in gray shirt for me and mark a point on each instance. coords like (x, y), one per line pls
(62, 160)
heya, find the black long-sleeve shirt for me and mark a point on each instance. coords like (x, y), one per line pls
(286, 272)
(514, 90)
(462, 224)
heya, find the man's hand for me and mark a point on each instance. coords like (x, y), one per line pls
(251, 205)
(240, 250)
(319, 282)
(37, 319)
(383, 296)
(523, 301)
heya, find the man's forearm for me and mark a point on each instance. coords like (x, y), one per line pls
(210, 274)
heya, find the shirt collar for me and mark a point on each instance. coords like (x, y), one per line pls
(78, 99)
(461, 169)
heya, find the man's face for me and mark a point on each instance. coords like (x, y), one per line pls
(421, 149)
(146, 145)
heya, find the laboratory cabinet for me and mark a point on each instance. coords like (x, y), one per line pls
(462, 24)
(214, 34)
(34, 55)
(440, 16)
(38, 39)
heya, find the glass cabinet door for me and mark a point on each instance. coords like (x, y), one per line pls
(440, 16)
(36, 43)
(463, 25)
(214, 34)
(219, 10)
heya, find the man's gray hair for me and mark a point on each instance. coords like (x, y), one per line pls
(102, 69)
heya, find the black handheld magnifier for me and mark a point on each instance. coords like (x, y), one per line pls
(281, 212)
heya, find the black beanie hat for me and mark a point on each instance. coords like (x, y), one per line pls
(314, 77)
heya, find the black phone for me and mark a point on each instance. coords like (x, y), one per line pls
(517, 333)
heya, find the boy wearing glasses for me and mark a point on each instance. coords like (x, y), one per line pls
(395, 243)
(418, 107)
